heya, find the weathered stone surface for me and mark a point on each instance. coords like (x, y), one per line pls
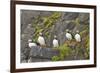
(25, 54)
(39, 59)
(70, 15)
(46, 53)
(84, 18)
(45, 13)
(27, 16)
(58, 29)
(38, 54)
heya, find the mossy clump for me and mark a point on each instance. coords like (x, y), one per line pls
(46, 24)
(55, 58)
(86, 42)
(64, 52)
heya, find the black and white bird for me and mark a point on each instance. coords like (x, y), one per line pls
(29, 25)
(55, 42)
(68, 35)
(41, 40)
(31, 44)
(29, 60)
(77, 36)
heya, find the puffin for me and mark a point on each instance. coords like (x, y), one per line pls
(68, 35)
(77, 36)
(41, 40)
(31, 44)
(55, 42)
(29, 25)
(29, 60)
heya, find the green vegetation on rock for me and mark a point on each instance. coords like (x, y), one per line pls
(64, 52)
(46, 24)
(52, 23)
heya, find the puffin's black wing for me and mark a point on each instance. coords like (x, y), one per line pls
(72, 35)
(37, 43)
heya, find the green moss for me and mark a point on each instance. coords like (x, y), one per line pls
(86, 42)
(48, 22)
(55, 58)
(76, 21)
(87, 47)
(64, 51)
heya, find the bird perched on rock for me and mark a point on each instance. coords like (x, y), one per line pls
(68, 35)
(41, 40)
(55, 42)
(29, 25)
(31, 44)
(29, 60)
(77, 36)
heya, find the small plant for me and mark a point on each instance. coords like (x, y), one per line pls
(86, 42)
(47, 23)
(55, 58)
(76, 21)
(64, 52)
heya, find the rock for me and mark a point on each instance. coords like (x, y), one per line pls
(27, 16)
(70, 26)
(25, 54)
(84, 18)
(70, 15)
(39, 59)
(45, 13)
(65, 21)
(45, 53)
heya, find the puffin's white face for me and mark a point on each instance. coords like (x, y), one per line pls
(67, 30)
(77, 31)
(29, 41)
(55, 36)
(40, 34)
(29, 24)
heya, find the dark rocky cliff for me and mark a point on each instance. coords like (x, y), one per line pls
(50, 24)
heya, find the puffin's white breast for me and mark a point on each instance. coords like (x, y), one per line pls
(68, 36)
(55, 43)
(41, 40)
(78, 37)
(32, 44)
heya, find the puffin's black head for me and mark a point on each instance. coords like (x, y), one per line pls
(37, 43)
